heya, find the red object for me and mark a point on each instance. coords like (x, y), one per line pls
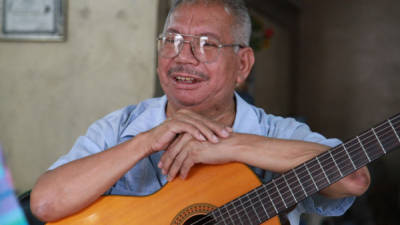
(269, 32)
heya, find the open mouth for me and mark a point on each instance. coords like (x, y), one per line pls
(186, 80)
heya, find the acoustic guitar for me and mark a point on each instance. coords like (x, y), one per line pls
(231, 194)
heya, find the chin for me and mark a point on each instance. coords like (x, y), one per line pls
(185, 100)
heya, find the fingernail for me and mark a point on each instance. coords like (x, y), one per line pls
(224, 133)
(229, 129)
(159, 164)
(202, 138)
(215, 139)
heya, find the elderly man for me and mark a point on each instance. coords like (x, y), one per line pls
(203, 54)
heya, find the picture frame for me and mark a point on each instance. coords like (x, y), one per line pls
(33, 20)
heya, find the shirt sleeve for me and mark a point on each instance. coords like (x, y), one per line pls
(100, 136)
(315, 204)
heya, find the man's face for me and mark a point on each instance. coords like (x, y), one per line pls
(211, 84)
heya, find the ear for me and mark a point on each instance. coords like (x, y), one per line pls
(246, 62)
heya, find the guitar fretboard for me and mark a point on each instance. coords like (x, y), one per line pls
(285, 191)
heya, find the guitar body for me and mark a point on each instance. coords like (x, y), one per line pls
(178, 203)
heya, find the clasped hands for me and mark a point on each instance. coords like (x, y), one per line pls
(189, 138)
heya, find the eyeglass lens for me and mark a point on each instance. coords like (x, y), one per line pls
(204, 48)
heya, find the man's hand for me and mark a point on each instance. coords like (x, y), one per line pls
(271, 154)
(185, 122)
(186, 151)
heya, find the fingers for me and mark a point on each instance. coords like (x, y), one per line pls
(171, 153)
(185, 121)
(185, 168)
(176, 166)
(209, 128)
(184, 159)
(179, 155)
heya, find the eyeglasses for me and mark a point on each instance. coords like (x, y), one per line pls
(206, 49)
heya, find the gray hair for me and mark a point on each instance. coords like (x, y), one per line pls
(241, 29)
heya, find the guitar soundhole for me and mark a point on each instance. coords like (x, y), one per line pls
(195, 214)
(200, 220)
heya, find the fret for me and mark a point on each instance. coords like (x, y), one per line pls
(394, 130)
(356, 154)
(272, 201)
(255, 211)
(274, 192)
(295, 185)
(247, 208)
(237, 214)
(338, 168)
(396, 123)
(290, 189)
(362, 146)
(261, 201)
(317, 174)
(277, 189)
(388, 139)
(342, 160)
(257, 206)
(231, 209)
(225, 207)
(305, 193)
(285, 191)
(327, 178)
(220, 217)
(329, 166)
(308, 171)
(347, 153)
(305, 179)
(266, 200)
(377, 138)
(371, 145)
(243, 216)
(214, 214)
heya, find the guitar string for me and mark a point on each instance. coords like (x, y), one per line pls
(391, 131)
(253, 217)
(323, 178)
(349, 148)
(375, 144)
(358, 148)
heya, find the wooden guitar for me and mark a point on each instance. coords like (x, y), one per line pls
(231, 194)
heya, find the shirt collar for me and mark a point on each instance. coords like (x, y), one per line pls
(146, 115)
(247, 119)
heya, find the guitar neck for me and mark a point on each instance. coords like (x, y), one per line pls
(288, 189)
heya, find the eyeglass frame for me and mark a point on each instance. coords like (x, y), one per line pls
(219, 46)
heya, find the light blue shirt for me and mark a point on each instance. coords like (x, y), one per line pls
(146, 178)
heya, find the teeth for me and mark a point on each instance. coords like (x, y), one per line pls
(186, 79)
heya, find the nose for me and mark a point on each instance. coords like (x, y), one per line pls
(186, 55)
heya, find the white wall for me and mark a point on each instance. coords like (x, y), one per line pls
(51, 92)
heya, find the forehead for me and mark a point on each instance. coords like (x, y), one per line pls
(200, 19)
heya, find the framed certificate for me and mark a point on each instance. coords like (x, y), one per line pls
(34, 20)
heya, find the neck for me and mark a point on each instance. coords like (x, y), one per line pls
(222, 113)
